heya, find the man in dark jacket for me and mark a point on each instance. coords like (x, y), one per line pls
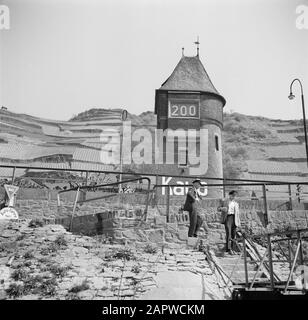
(192, 205)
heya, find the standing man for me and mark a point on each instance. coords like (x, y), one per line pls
(193, 206)
(231, 219)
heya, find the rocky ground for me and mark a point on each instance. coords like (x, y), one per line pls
(40, 261)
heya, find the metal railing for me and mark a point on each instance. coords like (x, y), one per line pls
(263, 197)
(269, 263)
(79, 188)
(14, 167)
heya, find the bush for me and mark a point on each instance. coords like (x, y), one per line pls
(61, 241)
(233, 169)
(35, 223)
(124, 253)
(237, 152)
(15, 290)
(32, 283)
(48, 287)
(58, 271)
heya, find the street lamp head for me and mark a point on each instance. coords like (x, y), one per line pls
(291, 96)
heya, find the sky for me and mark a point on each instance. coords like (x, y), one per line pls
(60, 58)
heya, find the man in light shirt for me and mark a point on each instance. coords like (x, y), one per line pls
(231, 219)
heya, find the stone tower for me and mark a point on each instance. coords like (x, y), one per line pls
(189, 100)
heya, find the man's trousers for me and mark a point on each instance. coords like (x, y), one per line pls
(230, 232)
(195, 221)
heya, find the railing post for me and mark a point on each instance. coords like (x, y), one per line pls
(265, 205)
(87, 176)
(290, 255)
(293, 266)
(13, 175)
(84, 196)
(290, 197)
(270, 260)
(147, 200)
(168, 203)
(74, 209)
(245, 262)
(156, 189)
(301, 254)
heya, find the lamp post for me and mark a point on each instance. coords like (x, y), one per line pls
(291, 97)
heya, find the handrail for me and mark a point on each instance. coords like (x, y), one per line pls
(99, 186)
(107, 184)
(146, 174)
(279, 233)
(261, 183)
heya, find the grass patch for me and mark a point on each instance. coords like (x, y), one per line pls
(15, 290)
(136, 269)
(20, 237)
(19, 274)
(29, 255)
(72, 296)
(80, 287)
(122, 253)
(150, 248)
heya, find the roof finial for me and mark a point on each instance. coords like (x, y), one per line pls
(197, 43)
(183, 52)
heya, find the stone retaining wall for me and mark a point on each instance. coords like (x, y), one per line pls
(120, 217)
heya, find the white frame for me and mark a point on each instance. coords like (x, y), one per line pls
(181, 100)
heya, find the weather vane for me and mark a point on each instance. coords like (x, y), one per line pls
(197, 43)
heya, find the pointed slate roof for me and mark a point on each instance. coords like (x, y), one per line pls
(190, 75)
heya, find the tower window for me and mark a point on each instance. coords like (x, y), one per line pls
(183, 157)
(216, 143)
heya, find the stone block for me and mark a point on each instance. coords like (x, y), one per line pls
(130, 223)
(192, 242)
(172, 226)
(155, 236)
(130, 234)
(171, 236)
(183, 234)
(160, 220)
